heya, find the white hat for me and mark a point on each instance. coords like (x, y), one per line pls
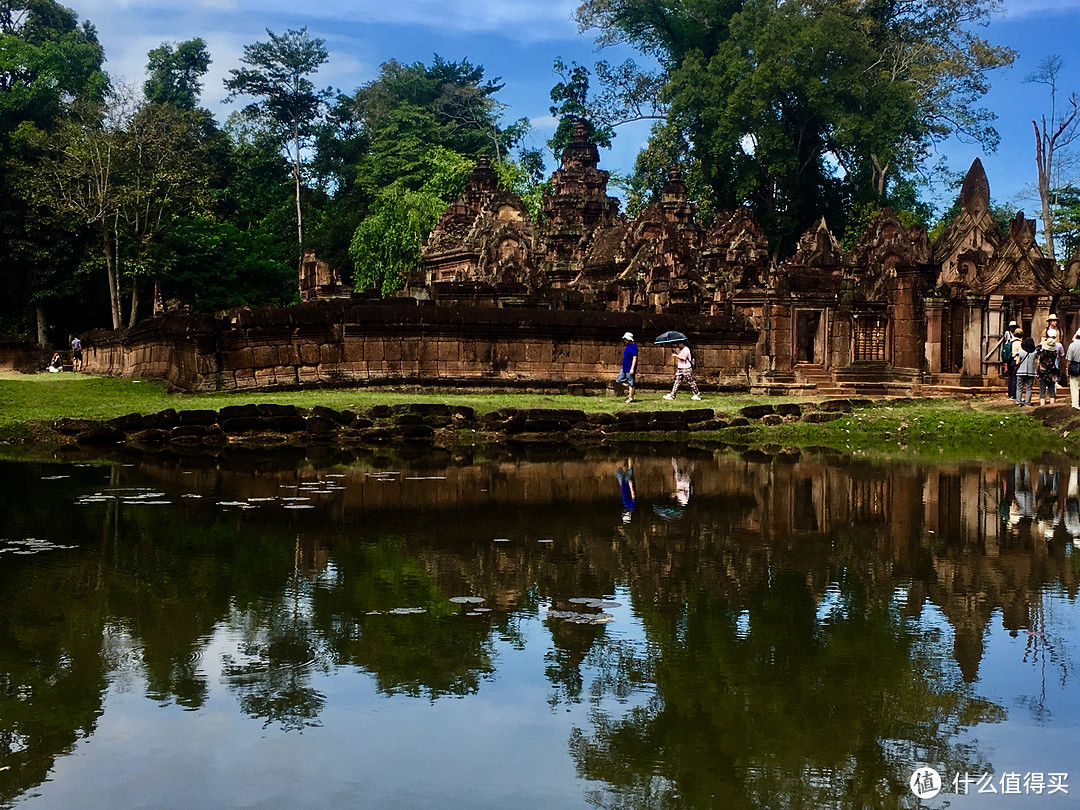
(628, 336)
(1051, 317)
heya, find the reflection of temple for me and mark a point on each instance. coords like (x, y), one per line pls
(891, 315)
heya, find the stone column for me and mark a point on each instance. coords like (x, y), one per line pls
(906, 327)
(974, 306)
(1038, 320)
(933, 307)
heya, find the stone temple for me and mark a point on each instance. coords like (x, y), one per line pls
(505, 302)
(896, 313)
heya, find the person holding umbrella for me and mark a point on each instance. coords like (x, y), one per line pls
(684, 363)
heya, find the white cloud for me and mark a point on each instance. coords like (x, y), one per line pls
(1028, 8)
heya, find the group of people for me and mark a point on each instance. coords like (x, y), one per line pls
(57, 361)
(682, 358)
(1047, 361)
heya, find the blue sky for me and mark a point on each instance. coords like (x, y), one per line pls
(518, 40)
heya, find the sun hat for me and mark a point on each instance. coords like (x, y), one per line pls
(1049, 344)
(1051, 317)
(628, 336)
(1013, 323)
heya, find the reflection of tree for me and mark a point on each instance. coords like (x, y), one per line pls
(796, 712)
(272, 678)
(436, 653)
(52, 674)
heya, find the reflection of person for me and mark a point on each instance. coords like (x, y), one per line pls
(628, 490)
(1025, 371)
(684, 371)
(629, 365)
(76, 354)
(1073, 356)
(682, 484)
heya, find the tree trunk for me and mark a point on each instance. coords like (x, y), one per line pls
(134, 301)
(42, 328)
(296, 177)
(110, 269)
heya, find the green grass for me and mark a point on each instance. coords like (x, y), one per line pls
(932, 429)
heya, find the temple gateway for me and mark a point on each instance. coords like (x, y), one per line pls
(897, 314)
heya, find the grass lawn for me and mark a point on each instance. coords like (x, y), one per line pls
(931, 429)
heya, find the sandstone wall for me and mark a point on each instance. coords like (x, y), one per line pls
(404, 342)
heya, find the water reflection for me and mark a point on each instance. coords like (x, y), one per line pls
(768, 632)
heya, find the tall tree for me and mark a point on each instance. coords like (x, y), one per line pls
(48, 62)
(418, 130)
(1051, 137)
(176, 72)
(799, 107)
(277, 75)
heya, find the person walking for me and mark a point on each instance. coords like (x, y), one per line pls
(76, 354)
(684, 370)
(1048, 369)
(1072, 360)
(628, 372)
(1008, 358)
(1025, 371)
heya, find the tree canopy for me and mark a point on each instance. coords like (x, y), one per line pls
(803, 108)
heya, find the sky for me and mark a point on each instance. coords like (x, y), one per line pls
(518, 40)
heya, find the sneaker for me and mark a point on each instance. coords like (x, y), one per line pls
(669, 396)
(629, 399)
(695, 397)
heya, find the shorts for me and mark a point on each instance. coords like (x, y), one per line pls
(626, 377)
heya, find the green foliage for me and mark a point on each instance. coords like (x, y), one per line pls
(215, 265)
(1068, 223)
(800, 109)
(386, 246)
(570, 104)
(277, 77)
(48, 62)
(175, 73)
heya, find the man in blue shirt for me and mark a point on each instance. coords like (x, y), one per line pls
(629, 365)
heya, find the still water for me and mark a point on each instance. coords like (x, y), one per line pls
(706, 631)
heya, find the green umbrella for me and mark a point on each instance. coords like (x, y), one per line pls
(670, 337)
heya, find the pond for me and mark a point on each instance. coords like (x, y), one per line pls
(709, 630)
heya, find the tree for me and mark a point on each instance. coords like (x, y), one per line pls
(48, 62)
(417, 131)
(799, 108)
(387, 243)
(276, 73)
(571, 104)
(1050, 138)
(175, 73)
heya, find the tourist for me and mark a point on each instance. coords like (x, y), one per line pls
(1048, 369)
(1072, 364)
(76, 354)
(57, 363)
(1008, 357)
(1025, 371)
(1051, 326)
(629, 365)
(684, 370)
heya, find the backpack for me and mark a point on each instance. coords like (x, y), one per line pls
(1006, 351)
(1047, 363)
(693, 360)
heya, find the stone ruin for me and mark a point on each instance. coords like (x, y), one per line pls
(894, 313)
